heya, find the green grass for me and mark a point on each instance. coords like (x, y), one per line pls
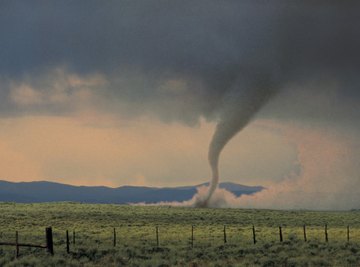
(136, 239)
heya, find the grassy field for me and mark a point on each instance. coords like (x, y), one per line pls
(136, 239)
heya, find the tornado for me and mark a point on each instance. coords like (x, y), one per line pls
(245, 99)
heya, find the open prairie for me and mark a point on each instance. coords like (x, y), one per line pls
(176, 245)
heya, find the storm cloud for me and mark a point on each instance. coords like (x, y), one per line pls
(179, 60)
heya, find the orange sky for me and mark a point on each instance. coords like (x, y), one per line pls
(97, 149)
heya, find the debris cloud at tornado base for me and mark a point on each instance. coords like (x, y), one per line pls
(327, 178)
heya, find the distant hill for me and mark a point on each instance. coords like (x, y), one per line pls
(28, 192)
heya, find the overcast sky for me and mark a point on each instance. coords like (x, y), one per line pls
(130, 92)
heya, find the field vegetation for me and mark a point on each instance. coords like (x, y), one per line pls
(136, 243)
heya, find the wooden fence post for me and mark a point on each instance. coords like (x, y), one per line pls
(254, 234)
(67, 242)
(17, 243)
(114, 237)
(348, 233)
(225, 240)
(192, 236)
(326, 233)
(49, 240)
(304, 227)
(157, 236)
(280, 234)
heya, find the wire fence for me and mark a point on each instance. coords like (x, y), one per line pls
(174, 236)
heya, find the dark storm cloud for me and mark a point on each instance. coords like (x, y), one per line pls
(216, 48)
(89, 35)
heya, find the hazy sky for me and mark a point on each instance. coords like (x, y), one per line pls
(130, 92)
